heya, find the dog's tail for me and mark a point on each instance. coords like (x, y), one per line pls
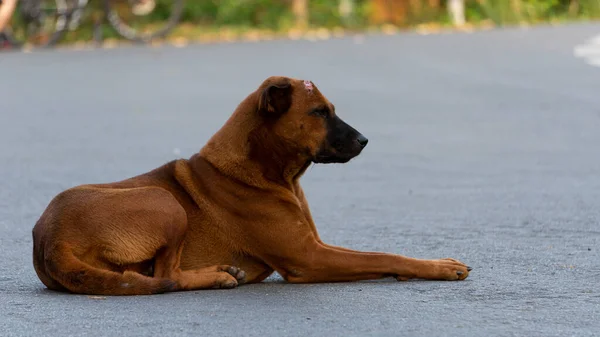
(81, 278)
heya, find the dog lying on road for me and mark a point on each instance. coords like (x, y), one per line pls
(232, 213)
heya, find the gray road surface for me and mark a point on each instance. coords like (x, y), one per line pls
(483, 147)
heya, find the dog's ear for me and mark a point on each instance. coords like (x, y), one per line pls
(276, 98)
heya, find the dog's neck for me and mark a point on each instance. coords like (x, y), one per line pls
(242, 149)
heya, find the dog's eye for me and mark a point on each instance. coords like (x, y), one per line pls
(320, 113)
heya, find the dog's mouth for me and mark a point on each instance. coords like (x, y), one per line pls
(334, 158)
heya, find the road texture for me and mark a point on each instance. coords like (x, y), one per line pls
(484, 147)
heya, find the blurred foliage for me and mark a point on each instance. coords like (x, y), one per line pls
(277, 14)
(273, 14)
(206, 16)
(251, 13)
(511, 11)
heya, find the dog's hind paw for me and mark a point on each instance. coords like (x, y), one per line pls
(226, 282)
(236, 272)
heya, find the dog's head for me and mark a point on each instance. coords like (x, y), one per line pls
(302, 119)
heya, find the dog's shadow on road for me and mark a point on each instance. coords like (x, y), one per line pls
(273, 285)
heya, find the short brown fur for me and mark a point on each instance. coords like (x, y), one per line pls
(232, 213)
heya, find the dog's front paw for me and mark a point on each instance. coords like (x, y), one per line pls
(450, 270)
(443, 269)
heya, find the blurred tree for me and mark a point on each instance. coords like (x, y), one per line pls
(456, 9)
(356, 14)
(389, 11)
(346, 7)
(304, 13)
(300, 10)
(573, 7)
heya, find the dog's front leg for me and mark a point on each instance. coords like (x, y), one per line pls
(313, 261)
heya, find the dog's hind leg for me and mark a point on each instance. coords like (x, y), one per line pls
(109, 239)
(167, 266)
(162, 226)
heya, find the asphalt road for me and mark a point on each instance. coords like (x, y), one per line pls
(483, 147)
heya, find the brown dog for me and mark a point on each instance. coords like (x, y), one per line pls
(232, 213)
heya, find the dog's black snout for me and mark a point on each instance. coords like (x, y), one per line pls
(362, 140)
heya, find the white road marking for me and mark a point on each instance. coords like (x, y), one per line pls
(594, 62)
(589, 51)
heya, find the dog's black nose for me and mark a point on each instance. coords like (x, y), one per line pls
(362, 140)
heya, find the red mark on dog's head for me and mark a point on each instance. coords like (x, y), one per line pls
(308, 85)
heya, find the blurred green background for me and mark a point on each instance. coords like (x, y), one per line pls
(230, 19)
(279, 14)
